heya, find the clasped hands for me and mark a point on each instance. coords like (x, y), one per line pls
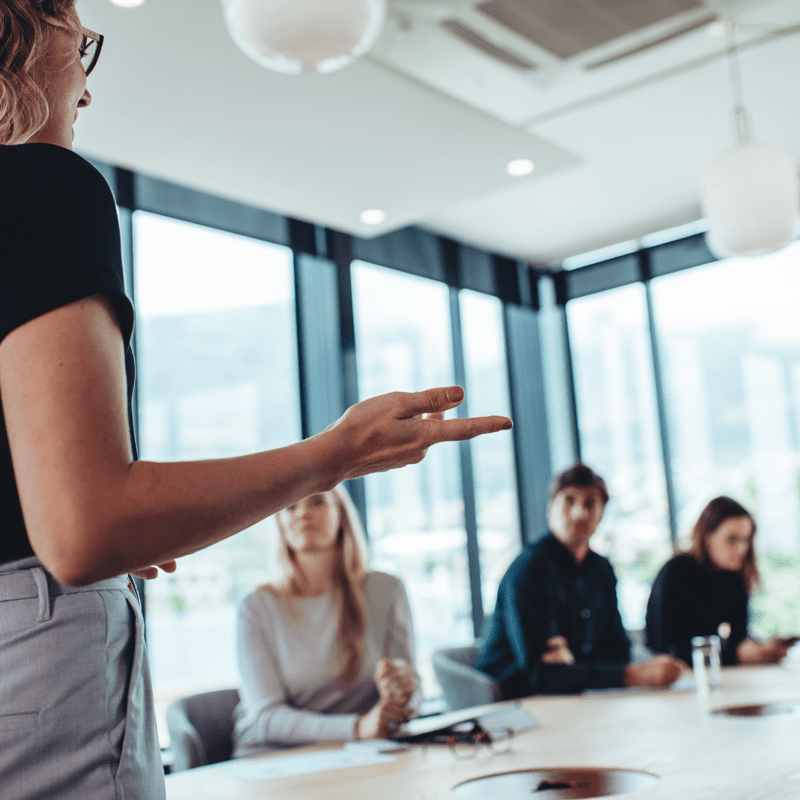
(396, 684)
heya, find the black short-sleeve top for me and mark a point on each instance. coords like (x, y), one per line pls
(59, 243)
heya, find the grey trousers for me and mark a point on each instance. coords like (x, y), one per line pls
(76, 704)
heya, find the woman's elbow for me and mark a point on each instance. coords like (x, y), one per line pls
(76, 558)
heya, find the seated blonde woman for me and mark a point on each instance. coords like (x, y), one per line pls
(326, 652)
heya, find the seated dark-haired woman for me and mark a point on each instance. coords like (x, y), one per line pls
(706, 590)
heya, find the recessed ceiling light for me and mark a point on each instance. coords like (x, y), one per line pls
(519, 167)
(372, 216)
(717, 28)
(127, 3)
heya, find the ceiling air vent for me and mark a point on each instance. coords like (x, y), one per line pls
(472, 37)
(667, 37)
(568, 28)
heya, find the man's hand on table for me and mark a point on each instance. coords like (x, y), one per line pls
(660, 670)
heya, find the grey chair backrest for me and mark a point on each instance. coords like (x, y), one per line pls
(201, 728)
(462, 684)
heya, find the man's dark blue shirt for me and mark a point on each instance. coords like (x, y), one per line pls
(545, 593)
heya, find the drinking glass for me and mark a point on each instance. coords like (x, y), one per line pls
(707, 663)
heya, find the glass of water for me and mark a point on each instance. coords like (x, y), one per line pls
(707, 663)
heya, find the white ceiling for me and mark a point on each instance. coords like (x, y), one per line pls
(423, 126)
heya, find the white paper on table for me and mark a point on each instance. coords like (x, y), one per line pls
(302, 764)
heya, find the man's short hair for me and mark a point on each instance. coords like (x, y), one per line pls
(580, 476)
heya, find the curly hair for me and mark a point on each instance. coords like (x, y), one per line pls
(24, 38)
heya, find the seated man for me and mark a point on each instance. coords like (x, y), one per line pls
(556, 627)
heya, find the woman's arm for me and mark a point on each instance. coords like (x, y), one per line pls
(267, 718)
(395, 675)
(670, 615)
(91, 512)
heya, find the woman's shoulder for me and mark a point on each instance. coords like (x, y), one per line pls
(383, 584)
(262, 599)
(49, 162)
(51, 176)
(680, 566)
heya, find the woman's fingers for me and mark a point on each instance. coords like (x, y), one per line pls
(431, 401)
(148, 573)
(395, 679)
(456, 430)
(434, 402)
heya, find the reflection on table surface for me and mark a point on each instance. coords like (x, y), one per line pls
(697, 754)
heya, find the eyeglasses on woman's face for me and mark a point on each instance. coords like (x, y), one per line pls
(89, 49)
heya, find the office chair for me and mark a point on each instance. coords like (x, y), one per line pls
(201, 728)
(462, 684)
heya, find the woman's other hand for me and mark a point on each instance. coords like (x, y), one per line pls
(395, 679)
(751, 651)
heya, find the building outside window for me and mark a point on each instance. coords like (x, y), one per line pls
(217, 362)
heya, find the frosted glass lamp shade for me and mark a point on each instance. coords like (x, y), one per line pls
(296, 35)
(751, 200)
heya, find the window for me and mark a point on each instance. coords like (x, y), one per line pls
(493, 467)
(217, 351)
(415, 516)
(730, 342)
(618, 426)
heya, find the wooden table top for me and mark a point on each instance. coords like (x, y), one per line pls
(696, 754)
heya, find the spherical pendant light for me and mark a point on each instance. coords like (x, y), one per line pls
(296, 35)
(751, 200)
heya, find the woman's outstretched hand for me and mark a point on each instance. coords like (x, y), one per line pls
(396, 429)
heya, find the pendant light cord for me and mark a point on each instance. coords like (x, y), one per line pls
(741, 119)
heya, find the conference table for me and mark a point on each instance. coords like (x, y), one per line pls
(676, 735)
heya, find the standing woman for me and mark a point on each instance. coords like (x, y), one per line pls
(325, 652)
(706, 590)
(79, 511)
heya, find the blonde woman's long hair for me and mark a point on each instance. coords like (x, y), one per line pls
(348, 593)
(24, 38)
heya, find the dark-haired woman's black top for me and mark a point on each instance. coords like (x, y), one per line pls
(692, 599)
(59, 243)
